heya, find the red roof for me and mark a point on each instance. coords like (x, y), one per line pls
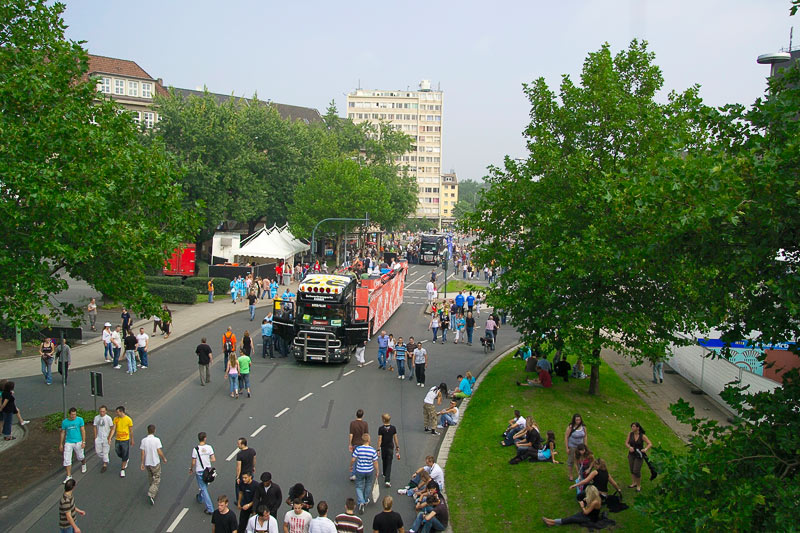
(120, 67)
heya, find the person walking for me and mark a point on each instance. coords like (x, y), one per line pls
(108, 347)
(202, 457)
(73, 439)
(252, 298)
(489, 330)
(430, 289)
(247, 343)
(444, 323)
(461, 324)
(389, 446)
(360, 351)
(244, 372)
(296, 519)
(266, 338)
(322, 524)
(152, 457)
(268, 494)
(63, 359)
(245, 462)
(232, 371)
(658, 370)
(166, 322)
(383, 346)
(102, 424)
(574, 435)
(223, 520)
(130, 351)
(434, 325)
(434, 396)
(116, 345)
(92, 311)
(365, 462)
(126, 319)
(387, 521)
(122, 432)
(142, 345)
(46, 353)
(637, 444)
(400, 353)
(420, 363)
(67, 509)
(358, 428)
(211, 290)
(204, 358)
(348, 522)
(246, 491)
(228, 343)
(410, 347)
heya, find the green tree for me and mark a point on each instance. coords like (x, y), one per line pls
(81, 194)
(340, 188)
(469, 192)
(584, 277)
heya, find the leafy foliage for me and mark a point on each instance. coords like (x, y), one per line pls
(174, 294)
(469, 192)
(52, 422)
(80, 191)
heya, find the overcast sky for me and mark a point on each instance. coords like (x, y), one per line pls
(308, 53)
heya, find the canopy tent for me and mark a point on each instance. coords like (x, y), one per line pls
(273, 243)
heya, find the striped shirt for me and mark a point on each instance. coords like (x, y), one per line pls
(349, 523)
(400, 351)
(65, 505)
(365, 458)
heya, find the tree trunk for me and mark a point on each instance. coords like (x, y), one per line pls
(594, 376)
(338, 247)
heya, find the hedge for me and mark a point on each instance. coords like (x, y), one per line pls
(163, 280)
(173, 294)
(52, 422)
(221, 285)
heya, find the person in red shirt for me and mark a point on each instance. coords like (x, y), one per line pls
(544, 380)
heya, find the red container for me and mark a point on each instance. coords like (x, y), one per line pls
(182, 261)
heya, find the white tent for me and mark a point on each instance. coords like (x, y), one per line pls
(273, 243)
(299, 245)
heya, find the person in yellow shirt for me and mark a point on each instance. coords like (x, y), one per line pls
(122, 429)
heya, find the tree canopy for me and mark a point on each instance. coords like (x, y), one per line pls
(80, 192)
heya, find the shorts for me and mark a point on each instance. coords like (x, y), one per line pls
(571, 456)
(122, 449)
(68, 448)
(635, 464)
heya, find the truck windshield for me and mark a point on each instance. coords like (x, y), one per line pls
(429, 246)
(321, 314)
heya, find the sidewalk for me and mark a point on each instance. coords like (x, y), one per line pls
(660, 396)
(184, 321)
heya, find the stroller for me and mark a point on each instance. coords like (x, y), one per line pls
(487, 343)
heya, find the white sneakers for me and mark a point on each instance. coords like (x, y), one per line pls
(402, 491)
(83, 469)
(121, 473)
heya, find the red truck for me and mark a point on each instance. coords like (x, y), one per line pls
(182, 261)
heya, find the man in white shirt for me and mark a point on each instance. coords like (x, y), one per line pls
(142, 343)
(116, 345)
(102, 427)
(296, 520)
(202, 457)
(262, 521)
(431, 289)
(108, 352)
(152, 455)
(322, 524)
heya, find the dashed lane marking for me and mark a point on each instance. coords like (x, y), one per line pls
(348, 372)
(177, 520)
(281, 412)
(256, 432)
(368, 363)
(232, 455)
(328, 383)
(306, 396)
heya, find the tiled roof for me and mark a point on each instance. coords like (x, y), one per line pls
(120, 67)
(293, 112)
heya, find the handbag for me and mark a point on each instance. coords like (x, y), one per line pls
(653, 472)
(614, 502)
(209, 472)
(376, 492)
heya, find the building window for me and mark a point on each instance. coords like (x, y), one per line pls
(105, 85)
(149, 119)
(147, 90)
(137, 116)
(119, 86)
(133, 88)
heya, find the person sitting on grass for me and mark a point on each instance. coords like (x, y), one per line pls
(449, 416)
(600, 478)
(528, 445)
(544, 380)
(515, 425)
(589, 513)
(562, 368)
(548, 451)
(577, 370)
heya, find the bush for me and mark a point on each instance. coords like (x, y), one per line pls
(163, 280)
(221, 285)
(52, 422)
(173, 294)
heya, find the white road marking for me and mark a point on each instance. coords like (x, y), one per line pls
(328, 383)
(177, 520)
(306, 396)
(348, 373)
(232, 455)
(256, 432)
(369, 362)
(283, 411)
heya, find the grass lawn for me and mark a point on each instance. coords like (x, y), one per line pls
(455, 285)
(203, 298)
(487, 494)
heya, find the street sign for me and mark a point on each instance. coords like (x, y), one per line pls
(96, 379)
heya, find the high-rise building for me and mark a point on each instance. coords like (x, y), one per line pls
(417, 114)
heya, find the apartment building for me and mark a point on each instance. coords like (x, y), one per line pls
(128, 84)
(417, 113)
(448, 196)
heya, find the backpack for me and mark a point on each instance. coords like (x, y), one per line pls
(228, 344)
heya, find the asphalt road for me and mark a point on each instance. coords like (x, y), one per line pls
(297, 421)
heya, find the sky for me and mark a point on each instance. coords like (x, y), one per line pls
(479, 53)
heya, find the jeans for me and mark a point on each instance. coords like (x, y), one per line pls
(131, 356)
(435, 331)
(211, 297)
(364, 486)
(116, 355)
(244, 381)
(382, 357)
(447, 419)
(108, 352)
(464, 272)
(252, 312)
(387, 454)
(68, 529)
(424, 526)
(469, 335)
(122, 448)
(65, 372)
(401, 367)
(203, 496)
(8, 419)
(420, 370)
(266, 345)
(142, 355)
(47, 369)
(233, 379)
(658, 371)
(444, 335)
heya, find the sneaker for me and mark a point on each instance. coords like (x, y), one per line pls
(427, 429)
(104, 468)
(25, 422)
(352, 478)
(143, 366)
(361, 508)
(83, 469)
(402, 491)
(117, 367)
(121, 473)
(67, 479)
(439, 426)
(399, 377)
(434, 432)
(387, 484)
(248, 394)
(152, 501)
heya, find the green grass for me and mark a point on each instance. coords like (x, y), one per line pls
(203, 298)
(488, 494)
(52, 422)
(455, 285)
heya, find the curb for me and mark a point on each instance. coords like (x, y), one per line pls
(447, 441)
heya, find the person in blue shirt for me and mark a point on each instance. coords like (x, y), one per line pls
(273, 289)
(464, 388)
(470, 301)
(383, 345)
(460, 301)
(266, 338)
(233, 290)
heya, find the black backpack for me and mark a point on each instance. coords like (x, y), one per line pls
(228, 344)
